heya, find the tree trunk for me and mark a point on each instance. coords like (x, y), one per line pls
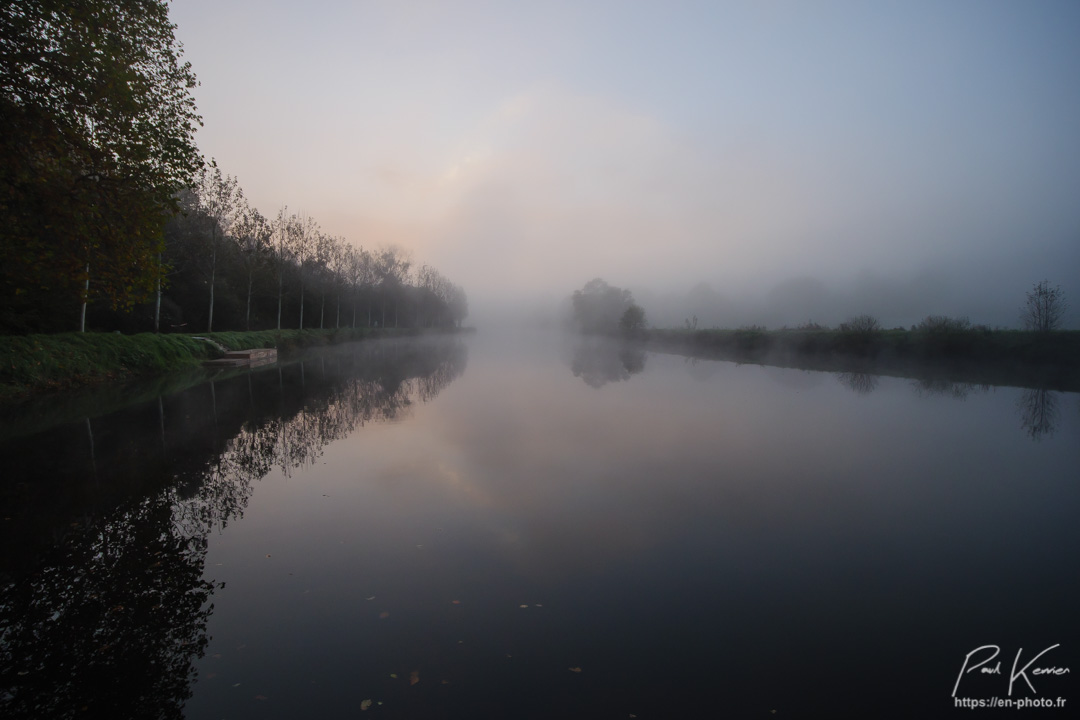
(279, 299)
(247, 317)
(301, 301)
(337, 322)
(213, 276)
(86, 295)
(157, 305)
(322, 310)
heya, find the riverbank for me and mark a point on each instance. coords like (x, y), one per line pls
(34, 363)
(996, 357)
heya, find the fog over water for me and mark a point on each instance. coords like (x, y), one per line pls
(805, 161)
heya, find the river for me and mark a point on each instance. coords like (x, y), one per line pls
(536, 526)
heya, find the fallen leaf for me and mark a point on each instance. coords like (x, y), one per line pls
(445, 682)
(523, 606)
(365, 704)
(384, 614)
(575, 669)
(455, 602)
(393, 675)
(414, 677)
(538, 605)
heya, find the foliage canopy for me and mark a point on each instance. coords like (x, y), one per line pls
(99, 126)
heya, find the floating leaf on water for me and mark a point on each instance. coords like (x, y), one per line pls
(414, 677)
(455, 602)
(370, 598)
(236, 684)
(365, 704)
(384, 614)
(575, 669)
(538, 605)
(261, 697)
(445, 682)
(523, 606)
(393, 675)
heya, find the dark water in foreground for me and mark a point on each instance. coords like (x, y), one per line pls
(533, 528)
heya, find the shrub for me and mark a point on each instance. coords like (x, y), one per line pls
(943, 324)
(861, 324)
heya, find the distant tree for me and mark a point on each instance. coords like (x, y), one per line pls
(253, 236)
(1044, 309)
(303, 234)
(221, 201)
(458, 304)
(598, 307)
(391, 271)
(860, 324)
(632, 321)
(934, 324)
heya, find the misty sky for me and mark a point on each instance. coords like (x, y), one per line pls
(902, 158)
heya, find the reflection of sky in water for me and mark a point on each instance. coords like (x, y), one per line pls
(750, 522)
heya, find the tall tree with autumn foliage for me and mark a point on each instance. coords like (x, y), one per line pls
(99, 126)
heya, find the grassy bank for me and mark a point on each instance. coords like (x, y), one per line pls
(31, 363)
(1006, 357)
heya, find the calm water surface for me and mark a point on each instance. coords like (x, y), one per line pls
(525, 527)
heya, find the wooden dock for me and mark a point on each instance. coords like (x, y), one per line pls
(245, 358)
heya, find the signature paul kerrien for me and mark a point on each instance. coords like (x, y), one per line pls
(983, 668)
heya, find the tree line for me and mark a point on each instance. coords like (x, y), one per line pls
(226, 265)
(112, 220)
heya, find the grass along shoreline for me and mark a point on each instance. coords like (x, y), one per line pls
(35, 363)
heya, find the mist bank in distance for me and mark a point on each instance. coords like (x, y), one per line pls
(799, 300)
(988, 289)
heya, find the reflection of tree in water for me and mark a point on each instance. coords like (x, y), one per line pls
(602, 362)
(110, 620)
(931, 386)
(1038, 412)
(110, 624)
(859, 382)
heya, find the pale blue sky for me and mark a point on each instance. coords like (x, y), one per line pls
(525, 147)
